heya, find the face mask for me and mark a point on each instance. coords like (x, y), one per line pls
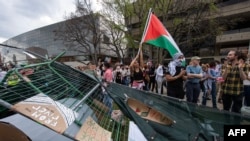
(178, 62)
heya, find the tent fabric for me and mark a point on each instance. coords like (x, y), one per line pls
(191, 120)
(83, 93)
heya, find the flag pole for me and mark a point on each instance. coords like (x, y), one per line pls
(146, 25)
(145, 28)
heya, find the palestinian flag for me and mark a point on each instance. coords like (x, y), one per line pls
(156, 34)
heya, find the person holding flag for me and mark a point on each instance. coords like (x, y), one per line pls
(157, 35)
(136, 70)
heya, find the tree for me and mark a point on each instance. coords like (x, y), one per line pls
(81, 31)
(114, 26)
(120, 33)
(188, 21)
(191, 24)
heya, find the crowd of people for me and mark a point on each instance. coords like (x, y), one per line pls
(226, 82)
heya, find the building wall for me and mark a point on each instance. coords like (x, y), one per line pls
(45, 39)
(237, 38)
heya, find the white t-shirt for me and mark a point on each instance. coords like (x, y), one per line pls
(247, 82)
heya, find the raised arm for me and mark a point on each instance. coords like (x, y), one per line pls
(133, 61)
(141, 56)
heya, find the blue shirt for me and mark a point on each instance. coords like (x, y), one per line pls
(194, 70)
(213, 73)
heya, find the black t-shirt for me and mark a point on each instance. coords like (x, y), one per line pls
(118, 78)
(151, 70)
(138, 75)
(178, 83)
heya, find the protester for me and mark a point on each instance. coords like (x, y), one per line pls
(107, 78)
(204, 83)
(210, 84)
(159, 77)
(246, 83)
(126, 75)
(117, 73)
(146, 78)
(220, 79)
(164, 81)
(136, 70)
(98, 72)
(218, 74)
(151, 74)
(234, 75)
(194, 74)
(175, 77)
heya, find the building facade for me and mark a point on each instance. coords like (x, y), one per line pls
(45, 39)
(235, 36)
(36, 40)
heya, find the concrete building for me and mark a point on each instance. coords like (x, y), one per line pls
(238, 36)
(235, 37)
(43, 41)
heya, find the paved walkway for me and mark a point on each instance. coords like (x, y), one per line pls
(209, 102)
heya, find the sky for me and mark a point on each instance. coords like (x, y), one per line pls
(20, 16)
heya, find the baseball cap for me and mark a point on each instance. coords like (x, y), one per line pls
(195, 58)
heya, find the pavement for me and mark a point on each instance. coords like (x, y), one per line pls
(209, 102)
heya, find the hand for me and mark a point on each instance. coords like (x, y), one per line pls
(240, 65)
(183, 72)
(228, 67)
(208, 76)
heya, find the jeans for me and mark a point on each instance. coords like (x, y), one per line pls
(107, 100)
(192, 92)
(213, 94)
(126, 80)
(247, 95)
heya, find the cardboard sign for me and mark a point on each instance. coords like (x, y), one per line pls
(148, 113)
(46, 111)
(91, 131)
